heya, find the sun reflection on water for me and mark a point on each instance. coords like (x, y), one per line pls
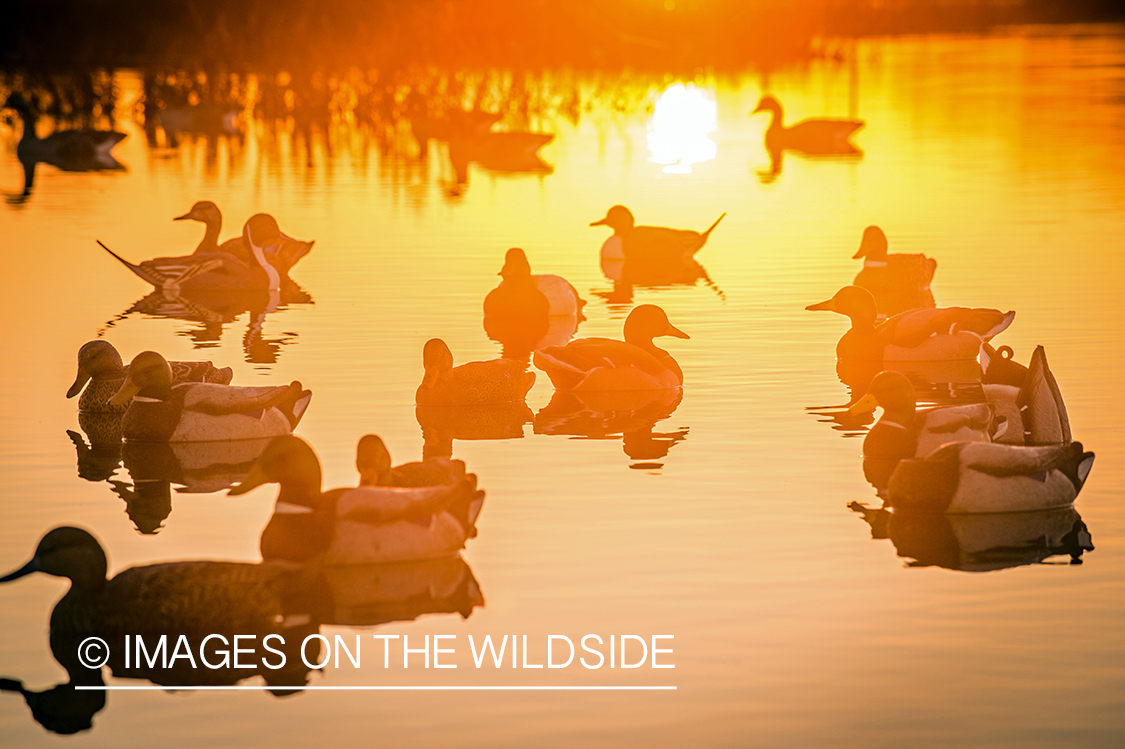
(677, 132)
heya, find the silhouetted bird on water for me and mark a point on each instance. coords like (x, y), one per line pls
(807, 136)
(883, 271)
(649, 244)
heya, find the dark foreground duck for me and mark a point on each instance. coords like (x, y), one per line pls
(883, 271)
(471, 384)
(808, 136)
(649, 244)
(940, 334)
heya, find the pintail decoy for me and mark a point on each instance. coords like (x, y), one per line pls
(514, 295)
(608, 364)
(944, 333)
(471, 384)
(69, 150)
(202, 412)
(807, 136)
(649, 244)
(101, 372)
(362, 525)
(282, 256)
(888, 272)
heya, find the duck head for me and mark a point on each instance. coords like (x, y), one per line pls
(149, 376)
(889, 390)
(261, 231)
(204, 211)
(854, 302)
(373, 461)
(437, 359)
(97, 360)
(67, 552)
(21, 105)
(646, 322)
(516, 267)
(619, 218)
(873, 245)
(768, 104)
(290, 462)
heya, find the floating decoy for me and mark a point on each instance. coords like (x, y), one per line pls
(364, 525)
(971, 477)
(915, 335)
(373, 461)
(70, 150)
(101, 372)
(608, 364)
(1028, 397)
(807, 136)
(889, 272)
(202, 412)
(220, 271)
(515, 293)
(472, 384)
(283, 256)
(649, 244)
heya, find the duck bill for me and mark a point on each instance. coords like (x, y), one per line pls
(829, 305)
(676, 332)
(601, 222)
(80, 381)
(125, 394)
(859, 253)
(184, 217)
(23, 571)
(253, 480)
(757, 109)
(865, 405)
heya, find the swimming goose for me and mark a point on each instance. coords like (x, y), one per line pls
(69, 150)
(915, 335)
(888, 272)
(281, 256)
(472, 384)
(970, 477)
(808, 136)
(649, 244)
(516, 292)
(363, 525)
(1028, 397)
(202, 412)
(101, 373)
(608, 364)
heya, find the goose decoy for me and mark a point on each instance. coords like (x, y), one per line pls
(649, 244)
(158, 411)
(283, 256)
(472, 384)
(101, 374)
(608, 364)
(890, 272)
(938, 334)
(70, 150)
(220, 271)
(972, 477)
(516, 292)
(363, 525)
(1028, 397)
(807, 136)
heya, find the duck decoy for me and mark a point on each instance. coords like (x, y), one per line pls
(807, 136)
(608, 364)
(363, 525)
(938, 334)
(471, 384)
(972, 477)
(70, 150)
(889, 272)
(515, 293)
(1028, 397)
(158, 411)
(101, 374)
(283, 256)
(373, 461)
(649, 244)
(220, 271)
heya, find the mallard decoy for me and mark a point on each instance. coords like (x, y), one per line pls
(1028, 397)
(516, 292)
(971, 477)
(283, 256)
(889, 272)
(807, 136)
(608, 364)
(202, 412)
(70, 150)
(364, 525)
(915, 335)
(649, 244)
(101, 372)
(473, 384)
(219, 271)
(373, 461)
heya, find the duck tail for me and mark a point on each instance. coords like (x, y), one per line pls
(137, 270)
(711, 228)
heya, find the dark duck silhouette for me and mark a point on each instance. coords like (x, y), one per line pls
(649, 244)
(889, 272)
(807, 136)
(78, 150)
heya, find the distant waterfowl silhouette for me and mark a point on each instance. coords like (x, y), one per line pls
(607, 364)
(649, 244)
(915, 335)
(888, 272)
(807, 136)
(471, 384)
(101, 374)
(70, 150)
(159, 411)
(364, 525)
(283, 256)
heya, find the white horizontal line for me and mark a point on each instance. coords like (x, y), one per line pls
(368, 688)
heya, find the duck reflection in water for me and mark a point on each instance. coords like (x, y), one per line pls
(629, 276)
(441, 425)
(626, 415)
(981, 543)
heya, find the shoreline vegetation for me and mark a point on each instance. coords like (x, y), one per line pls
(303, 36)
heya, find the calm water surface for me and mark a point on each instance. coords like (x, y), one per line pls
(999, 156)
